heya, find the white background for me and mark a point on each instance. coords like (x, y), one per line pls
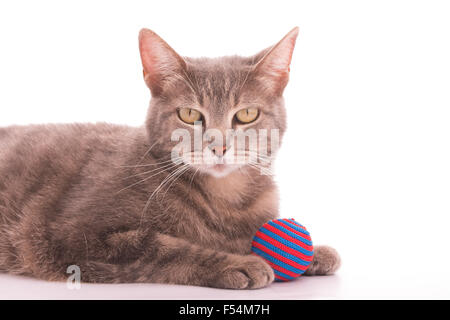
(365, 162)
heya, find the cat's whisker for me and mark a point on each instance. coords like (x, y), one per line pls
(157, 189)
(250, 69)
(258, 154)
(161, 185)
(262, 169)
(170, 164)
(187, 79)
(175, 179)
(248, 175)
(146, 165)
(265, 160)
(171, 177)
(145, 179)
(147, 152)
(192, 179)
(251, 157)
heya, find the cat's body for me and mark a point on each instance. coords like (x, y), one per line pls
(95, 196)
(61, 204)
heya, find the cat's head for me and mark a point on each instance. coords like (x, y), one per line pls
(206, 98)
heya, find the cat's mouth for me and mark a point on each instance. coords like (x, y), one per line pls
(220, 170)
(219, 167)
(217, 170)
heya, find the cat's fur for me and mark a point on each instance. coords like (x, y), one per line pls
(74, 195)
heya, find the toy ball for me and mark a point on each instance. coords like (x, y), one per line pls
(286, 246)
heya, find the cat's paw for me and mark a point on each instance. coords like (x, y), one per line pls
(247, 272)
(326, 261)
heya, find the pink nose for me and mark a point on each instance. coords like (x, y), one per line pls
(219, 150)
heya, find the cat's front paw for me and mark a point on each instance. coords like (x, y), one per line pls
(247, 272)
(326, 261)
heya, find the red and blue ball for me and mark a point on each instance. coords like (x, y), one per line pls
(286, 246)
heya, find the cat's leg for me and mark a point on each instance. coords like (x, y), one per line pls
(176, 261)
(325, 262)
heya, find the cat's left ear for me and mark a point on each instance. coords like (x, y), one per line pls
(273, 63)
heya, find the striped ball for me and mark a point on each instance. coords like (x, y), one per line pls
(286, 245)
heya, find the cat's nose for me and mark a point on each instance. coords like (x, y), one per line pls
(219, 150)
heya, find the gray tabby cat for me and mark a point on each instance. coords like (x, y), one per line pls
(110, 200)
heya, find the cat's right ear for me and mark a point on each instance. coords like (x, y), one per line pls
(160, 62)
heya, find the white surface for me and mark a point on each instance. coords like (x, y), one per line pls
(22, 288)
(365, 162)
(344, 285)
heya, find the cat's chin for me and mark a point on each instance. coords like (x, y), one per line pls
(219, 170)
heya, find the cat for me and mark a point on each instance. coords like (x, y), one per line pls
(111, 200)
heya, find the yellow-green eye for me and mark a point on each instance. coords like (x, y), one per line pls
(189, 115)
(247, 115)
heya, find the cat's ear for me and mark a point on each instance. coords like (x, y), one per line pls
(160, 62)
(273, 63)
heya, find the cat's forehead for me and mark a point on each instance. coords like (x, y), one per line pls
(218, 82)
(220, 64)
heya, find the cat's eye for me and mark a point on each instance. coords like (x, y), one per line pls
(247, 115)
(189, 115)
